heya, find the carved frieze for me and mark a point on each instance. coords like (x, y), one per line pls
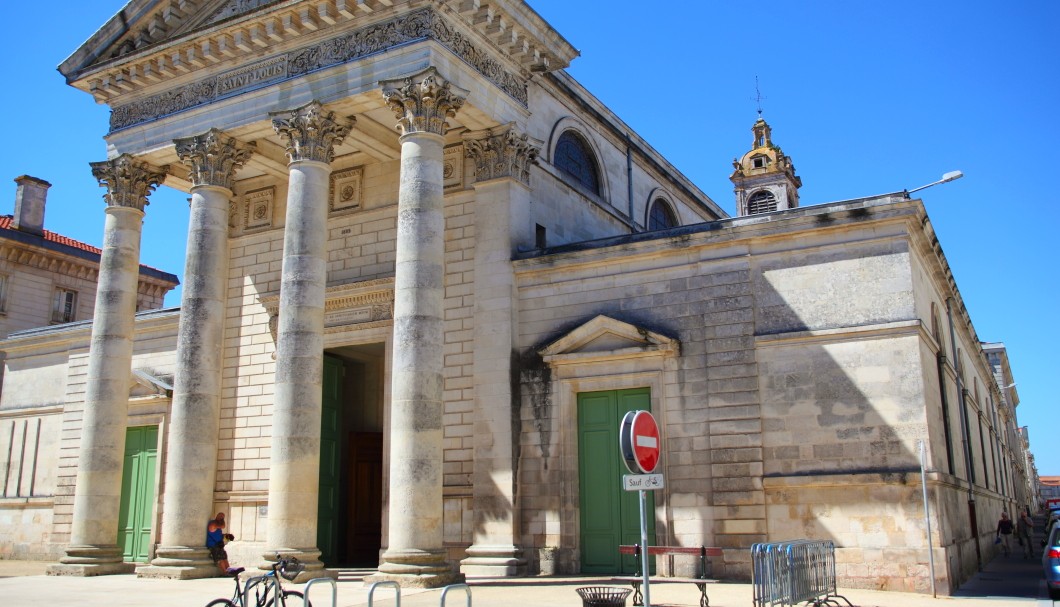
(502, 152)
(257, 208)
(424, 24)
(346, 190)
(311, 132)
(363, 304)
(128, 181)
(423, 102)
(212, 157)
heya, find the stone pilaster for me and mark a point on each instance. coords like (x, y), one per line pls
(191, 458)
(310, 134)
(93, 548)
(502, 159)
(415, 555)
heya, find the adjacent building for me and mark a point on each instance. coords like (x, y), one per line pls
(410, 348)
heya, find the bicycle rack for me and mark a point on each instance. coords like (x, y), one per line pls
(397, 591)
(446, 590)
(328, 580)
(261, 579)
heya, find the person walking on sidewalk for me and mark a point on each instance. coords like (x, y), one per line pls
(1004, 533)
(1025, 532)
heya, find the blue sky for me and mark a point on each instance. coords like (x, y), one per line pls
(866, 97)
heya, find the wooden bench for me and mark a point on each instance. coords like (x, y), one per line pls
(701, 582)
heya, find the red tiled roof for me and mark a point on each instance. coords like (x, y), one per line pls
(5, 224)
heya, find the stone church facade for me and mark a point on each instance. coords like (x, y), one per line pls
(410, 347)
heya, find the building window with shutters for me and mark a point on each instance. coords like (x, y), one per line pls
(761, 202)
(65, 308)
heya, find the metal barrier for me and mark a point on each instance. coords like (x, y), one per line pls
(320, 580)
(446, 590)
(790, 573)
(397, 591)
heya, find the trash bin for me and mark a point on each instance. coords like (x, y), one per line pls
(603, 596)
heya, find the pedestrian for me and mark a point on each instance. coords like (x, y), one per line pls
(1004, 533)
(1025, 532)
(215, 541)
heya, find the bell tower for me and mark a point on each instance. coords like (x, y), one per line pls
(764, 178)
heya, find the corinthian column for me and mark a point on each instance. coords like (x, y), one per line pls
(415, 555)
(191, 459)
(310, 134)
(93, 548)
(502, 159)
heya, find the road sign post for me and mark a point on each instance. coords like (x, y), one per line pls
(639, 442)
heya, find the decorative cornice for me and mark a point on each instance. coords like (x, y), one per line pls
(502, 152)
(311, 132)
(213, 157)
(423, 101)
(424, 24)
(128, 181)
(364, 305)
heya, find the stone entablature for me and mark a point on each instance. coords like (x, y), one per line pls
(147, 56)
(364, 305)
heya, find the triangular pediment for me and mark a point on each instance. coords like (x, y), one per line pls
(151, 23)
(607, 336)
(150, 43)
(148, 385)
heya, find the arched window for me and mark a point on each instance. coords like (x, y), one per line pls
(761, 202)
(661, 216)
(575, 158)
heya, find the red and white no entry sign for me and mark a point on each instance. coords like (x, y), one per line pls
(640, 442)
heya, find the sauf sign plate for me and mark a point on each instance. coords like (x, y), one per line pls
(642, 482)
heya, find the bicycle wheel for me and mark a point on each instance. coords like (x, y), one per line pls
(291, 598)
(220, 603)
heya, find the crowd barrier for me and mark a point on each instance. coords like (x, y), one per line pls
(796, 572)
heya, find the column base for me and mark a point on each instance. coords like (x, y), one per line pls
(415, 569)
(310, 557)
(180, 563)
(88, 560)
(493, 561)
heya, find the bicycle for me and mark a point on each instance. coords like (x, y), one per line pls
(266, 588)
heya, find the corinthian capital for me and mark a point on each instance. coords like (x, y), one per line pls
(423, 102)
(128, 181)
(213, 157)
(311, 132)
(501, 152)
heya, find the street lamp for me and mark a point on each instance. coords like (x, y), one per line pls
(952, 175)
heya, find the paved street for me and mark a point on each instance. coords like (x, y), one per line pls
(1005, 581)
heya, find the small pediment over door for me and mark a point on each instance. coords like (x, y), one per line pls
(604, 338)
(146, 385)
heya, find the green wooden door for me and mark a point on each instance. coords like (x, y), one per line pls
(137, 493)
(609, 516)
(330, 468)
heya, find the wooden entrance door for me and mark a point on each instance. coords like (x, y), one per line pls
(137, 493)
(365, 501)
(609, 516)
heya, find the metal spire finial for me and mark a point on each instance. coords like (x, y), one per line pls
(758, 97)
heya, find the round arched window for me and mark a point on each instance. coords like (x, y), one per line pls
(761, 202)
(661, 216)
(575, 158)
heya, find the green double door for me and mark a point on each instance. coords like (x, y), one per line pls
(137, 492)
(610, 516)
